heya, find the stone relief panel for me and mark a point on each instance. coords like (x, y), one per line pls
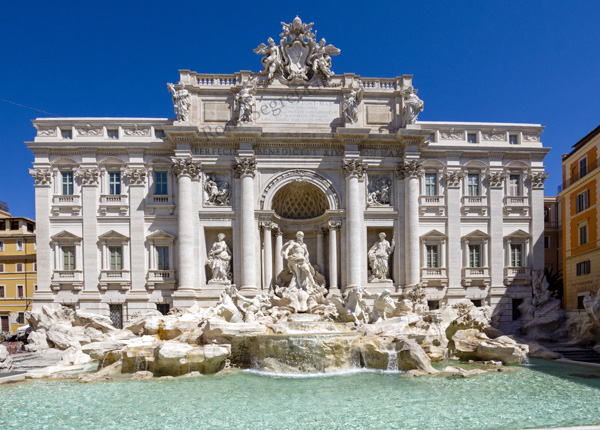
(379, 191)
(47, 132)
(493, 135)
(136, 131)
(216, 190)
(452, 134)
(89, 131)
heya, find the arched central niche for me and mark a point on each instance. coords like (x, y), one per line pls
(299, 200)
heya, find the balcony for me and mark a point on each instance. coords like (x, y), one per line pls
(114, 203)
(432, 204)
(160, 277)
(475, 276)
(434, 276)
(70, 204)
(154, 202)
(517, 275)
(67, 278)
(474, 204)
(115, 277)
(518, 204)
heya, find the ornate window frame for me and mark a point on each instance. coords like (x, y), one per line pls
(521, 274)
(434, 276)
(154, 276)
(60, 277)
(108, 277)
(476, 275)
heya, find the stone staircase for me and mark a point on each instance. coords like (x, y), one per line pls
(579, 354)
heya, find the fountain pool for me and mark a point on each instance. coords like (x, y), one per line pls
(543, 394)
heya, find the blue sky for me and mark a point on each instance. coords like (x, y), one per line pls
(491, 61)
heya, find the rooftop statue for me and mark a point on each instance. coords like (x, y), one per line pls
(298, 58)
(245, 103)
(181, 102)
(413, 106)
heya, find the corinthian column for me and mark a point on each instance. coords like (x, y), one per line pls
(333, 257)
(268, 261)
(410, 172)
(354, 170)
(278, 245)
(185, 169)
(245, 168)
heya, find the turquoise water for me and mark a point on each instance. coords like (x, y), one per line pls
(545, 394)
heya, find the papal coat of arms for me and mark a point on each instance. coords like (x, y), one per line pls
(298, 58)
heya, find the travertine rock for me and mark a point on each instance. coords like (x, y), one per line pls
(98, 350)
(472, 344)
(3, 353)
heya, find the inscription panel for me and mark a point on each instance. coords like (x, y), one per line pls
(298, 112)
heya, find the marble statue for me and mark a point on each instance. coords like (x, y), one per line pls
(350, 105)
(245, 103)
(379, 256)
(296, 253)
(413, 106)
(382, 305)
(181, 102)
(271, 61)
(219, 261)
(379, 194)
(298, 58)
(215, 195)
(353, 306)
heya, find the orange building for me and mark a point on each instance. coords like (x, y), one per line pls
(579, 196)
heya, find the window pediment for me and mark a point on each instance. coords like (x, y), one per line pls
(65, 236)
(112, 235)
(434, 234)
(475, 235)
(518, 234)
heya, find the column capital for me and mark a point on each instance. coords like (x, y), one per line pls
(89, 175)
(334, 224)
(268, 225)
(537, 180)
(136, 175)
(244, 166)
(42, 177)
(496, 179)
(354, 167)
(186, 167)
(277, 230)
(409, 169)
(453, 178)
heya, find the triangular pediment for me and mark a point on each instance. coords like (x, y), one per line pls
(160, 235)
(109, 235)
(518, 234)
(434, 234)
(476, 234)
(65, 235)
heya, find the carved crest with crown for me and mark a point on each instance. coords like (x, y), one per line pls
(298, 59)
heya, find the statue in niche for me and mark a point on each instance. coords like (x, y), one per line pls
(271, 61)
(413, 106)
(380, 192)
(296, 253)
(181, 102)
(215, 196)
(245, 103)
(379, 256)
(350, 106)
(219, 261)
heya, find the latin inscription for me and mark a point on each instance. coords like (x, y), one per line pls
(282, 152)
(299, 112)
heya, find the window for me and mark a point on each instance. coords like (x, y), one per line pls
(20, 291)
(160, 183)
(513, 139)
(580, 301)
(34, 287)
(163, 308)
(19, 245)
(21, 318)
(546, 214)
(66, 133)
(514, 185)
(472, 137)
(67, 183)
(582, 167)
(474, 255)
(583, 268)
(14, 225)
(114, 183)
(432, 137)
(35, 267)
(516, 313)
(68, 253)
(113, 133)
(116, 315)
(546, 242)
(18, 267)
(1, 246)
(431, 252)
(2, 225)
(473, 184)
(162, 257)
(1, 290)
(30, 227)
(516, 255)
(582, 201)
(160, 134)
(431, 184)
(583, 234)
(1, 267)
(116, 257)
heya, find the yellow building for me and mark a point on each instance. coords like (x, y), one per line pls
(581, 247)
(18, 278)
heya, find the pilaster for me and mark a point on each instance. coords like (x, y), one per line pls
(354, 170)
